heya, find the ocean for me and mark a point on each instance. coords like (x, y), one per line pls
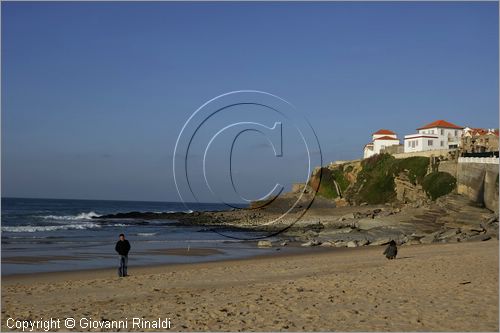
(43, 235)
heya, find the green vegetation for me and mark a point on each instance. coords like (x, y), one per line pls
(375, 182)
(327, 186)
(437, 184)
(416, 166)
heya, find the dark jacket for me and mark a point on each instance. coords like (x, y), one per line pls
(391, 251)
(122, 247)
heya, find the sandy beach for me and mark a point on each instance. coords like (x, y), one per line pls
(436, 287)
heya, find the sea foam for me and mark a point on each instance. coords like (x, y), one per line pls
(81, 216)
(41, 228)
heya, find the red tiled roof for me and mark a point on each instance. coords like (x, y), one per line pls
(492, 132)
(440, 123)
(384, 131)
(482, 131)
(479, 131)
(386, 138)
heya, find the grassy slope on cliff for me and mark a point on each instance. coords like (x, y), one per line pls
(437, 184)
(329, 177)
(375, 182)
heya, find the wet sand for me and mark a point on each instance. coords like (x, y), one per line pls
(436, 287)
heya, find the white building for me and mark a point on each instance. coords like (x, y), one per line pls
(436, 135)
(380, 139)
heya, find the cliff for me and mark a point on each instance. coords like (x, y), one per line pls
(382, 179)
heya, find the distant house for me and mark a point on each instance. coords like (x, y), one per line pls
(439, 134)
(479, 140)
(380, 139)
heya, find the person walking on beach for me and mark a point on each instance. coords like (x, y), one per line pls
(391, 251)
(122, 247)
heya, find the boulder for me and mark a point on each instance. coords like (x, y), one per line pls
(368, 223)
(284, 243)
(413, 242)
(415, 236)
(380, 241)
(480, 238)
(310, 243)
(467, 234)
(341, 202)
(473, 229)
(385, 213)
(450, 233)
(402, 240)
(340, 231)
(349, 216)
(352, 244)
(430, 238)
(316, 227)
(363, 242)
(492, 219)
(264, 243)
(327, 244)
(340, 244)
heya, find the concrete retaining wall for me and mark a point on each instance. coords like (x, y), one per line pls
(448, 166)
(479, 182)
(428, 153)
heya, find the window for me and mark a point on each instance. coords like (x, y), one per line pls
(442, 131)
(456, 132)
(442, 143)
(429, 142)
(416, 143)
(409, 143)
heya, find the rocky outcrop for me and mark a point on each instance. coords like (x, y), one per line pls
(313, 242)
(264, 243)
(452, 218)
(408, 192)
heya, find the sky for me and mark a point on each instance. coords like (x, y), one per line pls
(94, 95)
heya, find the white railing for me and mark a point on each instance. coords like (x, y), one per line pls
(482, 160)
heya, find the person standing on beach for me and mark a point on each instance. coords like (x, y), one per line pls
(122, 247)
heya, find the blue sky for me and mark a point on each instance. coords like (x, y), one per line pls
(95, 94)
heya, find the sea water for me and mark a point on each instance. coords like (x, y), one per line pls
(40, 235)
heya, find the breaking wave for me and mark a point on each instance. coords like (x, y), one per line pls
(39, 228)
(145, 234)
(81, 216)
